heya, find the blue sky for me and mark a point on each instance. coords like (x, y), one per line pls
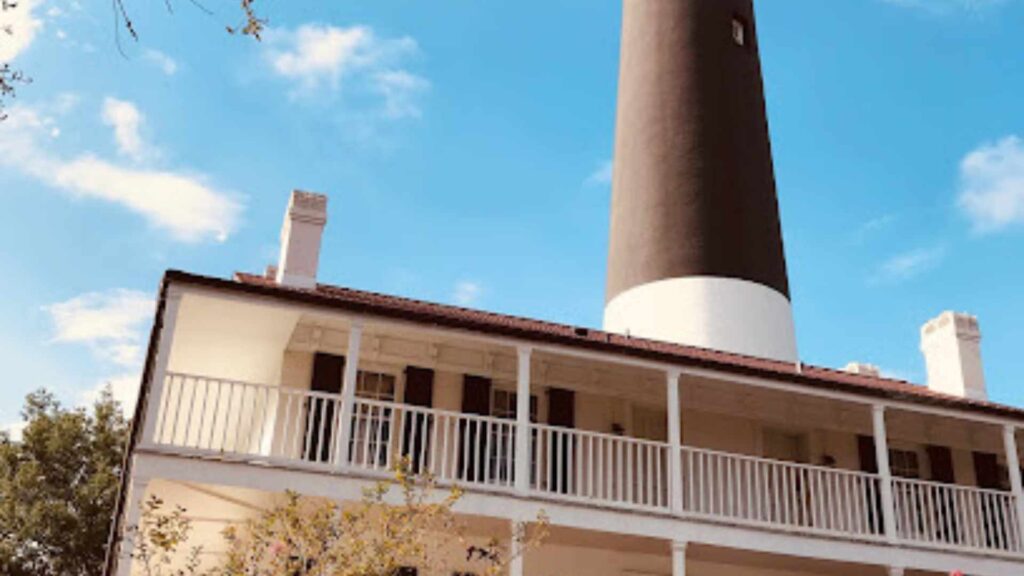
(465, 145)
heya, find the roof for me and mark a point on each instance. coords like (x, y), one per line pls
(491, 323)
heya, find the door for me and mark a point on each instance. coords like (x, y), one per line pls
(561, 414)
(869, 465)
(319, 430)
(794, 497)
(476, 400)
(419, 392)
(986, 472)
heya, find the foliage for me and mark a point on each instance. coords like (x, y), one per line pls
(158, 537)
(374, 537)
(58, 485)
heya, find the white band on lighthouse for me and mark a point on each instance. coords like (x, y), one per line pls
(724, 314)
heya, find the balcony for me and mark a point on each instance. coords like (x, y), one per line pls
(300, 429)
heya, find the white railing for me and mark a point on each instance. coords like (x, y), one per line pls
(301, 428)
(946, 515)
(601, 468)
(780, 494)
(451, 446)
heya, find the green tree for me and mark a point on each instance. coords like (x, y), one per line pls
(58, 485)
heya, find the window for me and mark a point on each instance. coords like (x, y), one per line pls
(502, 456)
(371, 430)
(739, 31)
(904, 463)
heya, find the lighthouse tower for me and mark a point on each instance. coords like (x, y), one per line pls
(696, 253)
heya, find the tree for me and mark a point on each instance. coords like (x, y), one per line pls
(377, 536)
(58, 485)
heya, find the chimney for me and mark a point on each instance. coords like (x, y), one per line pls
(695, 245)
(300, 239)
(863, 369)
(952, 351)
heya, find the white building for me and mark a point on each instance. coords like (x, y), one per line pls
(673, 455)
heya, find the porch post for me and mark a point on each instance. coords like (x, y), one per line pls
(675, 465)
(348, 391)
(132, 516)
(522, 462)
(678, 558)
(884, 471)
(1013, 466)
(516, 551)
(154, 400)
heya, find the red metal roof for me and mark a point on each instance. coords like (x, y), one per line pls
(431, 313)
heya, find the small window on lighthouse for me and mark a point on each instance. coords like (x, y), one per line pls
(739, 31)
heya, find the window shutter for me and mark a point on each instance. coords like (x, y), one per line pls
(419, 391)
(419, 387)
(476, 399)
(941, 459)
(327, 378)
(562, 408)
(986, 470)
(868, 458)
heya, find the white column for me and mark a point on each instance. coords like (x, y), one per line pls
(516, 551)
(522, 471)
(675, 465)
(884, 471)
(348, 391)
(129, 524)
(165, 338)
(678, 558)
(1013, 466)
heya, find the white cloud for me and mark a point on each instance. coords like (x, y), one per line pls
(18, 28)
(401, 91)
(162, 61)
(909, 264)
(110, 323)
(183, 204)
(992, 185)
(124, 388)
(14, 430)
(323, 59)
(467, 293)
(126, 120)
(602, 176)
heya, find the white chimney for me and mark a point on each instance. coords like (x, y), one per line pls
(863, 369)
(300, 239)
(952, 351)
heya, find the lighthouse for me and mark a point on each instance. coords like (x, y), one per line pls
(695, 247)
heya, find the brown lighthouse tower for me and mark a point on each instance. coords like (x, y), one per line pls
(696, 253)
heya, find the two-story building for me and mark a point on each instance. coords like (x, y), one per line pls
(687, 438)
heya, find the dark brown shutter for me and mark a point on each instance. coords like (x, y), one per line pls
(328, 370)
(561, 413)
(868, 458)
(986, 470)
(562, 408)
(419, 391)
(941, 459)
(476, 399)
(476, 395)
(873, 498)
(419, 387)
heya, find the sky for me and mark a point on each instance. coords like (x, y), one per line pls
(466, 146)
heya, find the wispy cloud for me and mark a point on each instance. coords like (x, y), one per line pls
(126, 120)
(992, 185)
(112, 325)
(908, 265)
(948, 6)
(467, 292)
(602, 175)
(872, 227)
(109, 323)
(163, 62)
(180, 202)
(326, 60)
(18, 27)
